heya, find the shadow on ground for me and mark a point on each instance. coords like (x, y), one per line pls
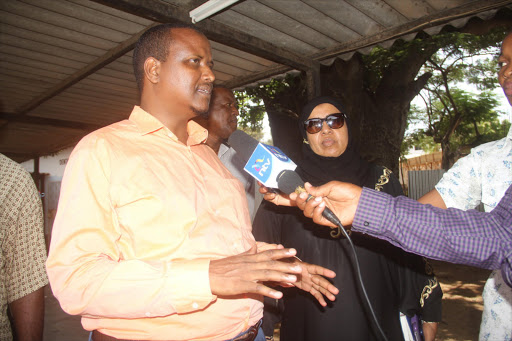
(462, 300)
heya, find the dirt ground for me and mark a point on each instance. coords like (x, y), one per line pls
(462, 300)
(462, 307)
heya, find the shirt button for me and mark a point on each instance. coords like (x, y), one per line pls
(195, 305)
(366, 223)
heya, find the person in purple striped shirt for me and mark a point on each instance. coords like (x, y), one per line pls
(481, 239)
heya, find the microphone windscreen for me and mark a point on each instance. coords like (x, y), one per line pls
(288, 181)
(243, 143)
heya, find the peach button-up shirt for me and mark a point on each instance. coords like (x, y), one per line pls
(140, 217)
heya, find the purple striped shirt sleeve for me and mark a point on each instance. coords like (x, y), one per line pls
(465, 237)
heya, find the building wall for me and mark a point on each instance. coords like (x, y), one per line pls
(419, 163)
(53, 165)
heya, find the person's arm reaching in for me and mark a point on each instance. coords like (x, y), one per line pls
(465, 237)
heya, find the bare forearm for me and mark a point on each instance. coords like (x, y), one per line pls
(28, 316)
(433, 198)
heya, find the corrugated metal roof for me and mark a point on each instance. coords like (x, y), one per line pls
(65, 65)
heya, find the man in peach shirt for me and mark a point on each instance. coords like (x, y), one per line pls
(152, 238)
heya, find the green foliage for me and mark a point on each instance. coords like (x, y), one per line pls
(452, 45)
(253, 102)
(479, 122)
(452, 116)
(251, 111)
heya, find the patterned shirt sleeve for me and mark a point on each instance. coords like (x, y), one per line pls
(24, 244)
(465, 237)
(461, 185)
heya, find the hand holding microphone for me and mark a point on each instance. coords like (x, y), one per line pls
(290, 182)
(343, 199)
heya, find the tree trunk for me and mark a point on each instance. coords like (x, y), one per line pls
(449, 155)
(285, 134)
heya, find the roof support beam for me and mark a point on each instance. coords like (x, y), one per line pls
(164, 12)
(15, 118)
(313, 82)
(100, 62)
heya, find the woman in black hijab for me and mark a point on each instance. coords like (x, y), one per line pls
(395, 280)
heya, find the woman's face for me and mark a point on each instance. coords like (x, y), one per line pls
(328, 142)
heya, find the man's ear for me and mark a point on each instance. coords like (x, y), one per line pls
(152, 70)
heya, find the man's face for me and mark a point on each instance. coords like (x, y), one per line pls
(505, 73)
(222, 120)
(186, 77)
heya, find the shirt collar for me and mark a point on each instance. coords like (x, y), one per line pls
(223, 148)
(196, 133)
(147, 124)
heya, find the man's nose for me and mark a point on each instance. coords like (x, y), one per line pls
(208, 74)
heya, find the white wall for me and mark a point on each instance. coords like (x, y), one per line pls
(52, 165)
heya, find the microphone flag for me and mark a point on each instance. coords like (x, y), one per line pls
(266, 162)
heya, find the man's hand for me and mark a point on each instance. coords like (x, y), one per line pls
(275, 197)
(342, 198)
(244, 273)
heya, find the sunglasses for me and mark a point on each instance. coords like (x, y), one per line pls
(334, 121)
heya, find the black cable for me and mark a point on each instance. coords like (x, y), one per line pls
(358, 269)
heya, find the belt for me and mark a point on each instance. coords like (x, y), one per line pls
(97, 336)
(248, 335)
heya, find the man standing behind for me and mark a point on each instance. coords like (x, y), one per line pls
(152, 238)
(22, 255)
(483, 177)
(221, 124)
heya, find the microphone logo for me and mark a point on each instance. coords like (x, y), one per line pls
(261, 167)
(278, 153)
(266, 162)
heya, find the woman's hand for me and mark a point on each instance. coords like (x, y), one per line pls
(312, 280)
(275, 197)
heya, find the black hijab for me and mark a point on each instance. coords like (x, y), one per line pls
(318, 170)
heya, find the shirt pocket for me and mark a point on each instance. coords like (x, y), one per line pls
(154, 218)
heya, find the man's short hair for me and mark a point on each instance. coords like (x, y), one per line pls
(155, 43)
